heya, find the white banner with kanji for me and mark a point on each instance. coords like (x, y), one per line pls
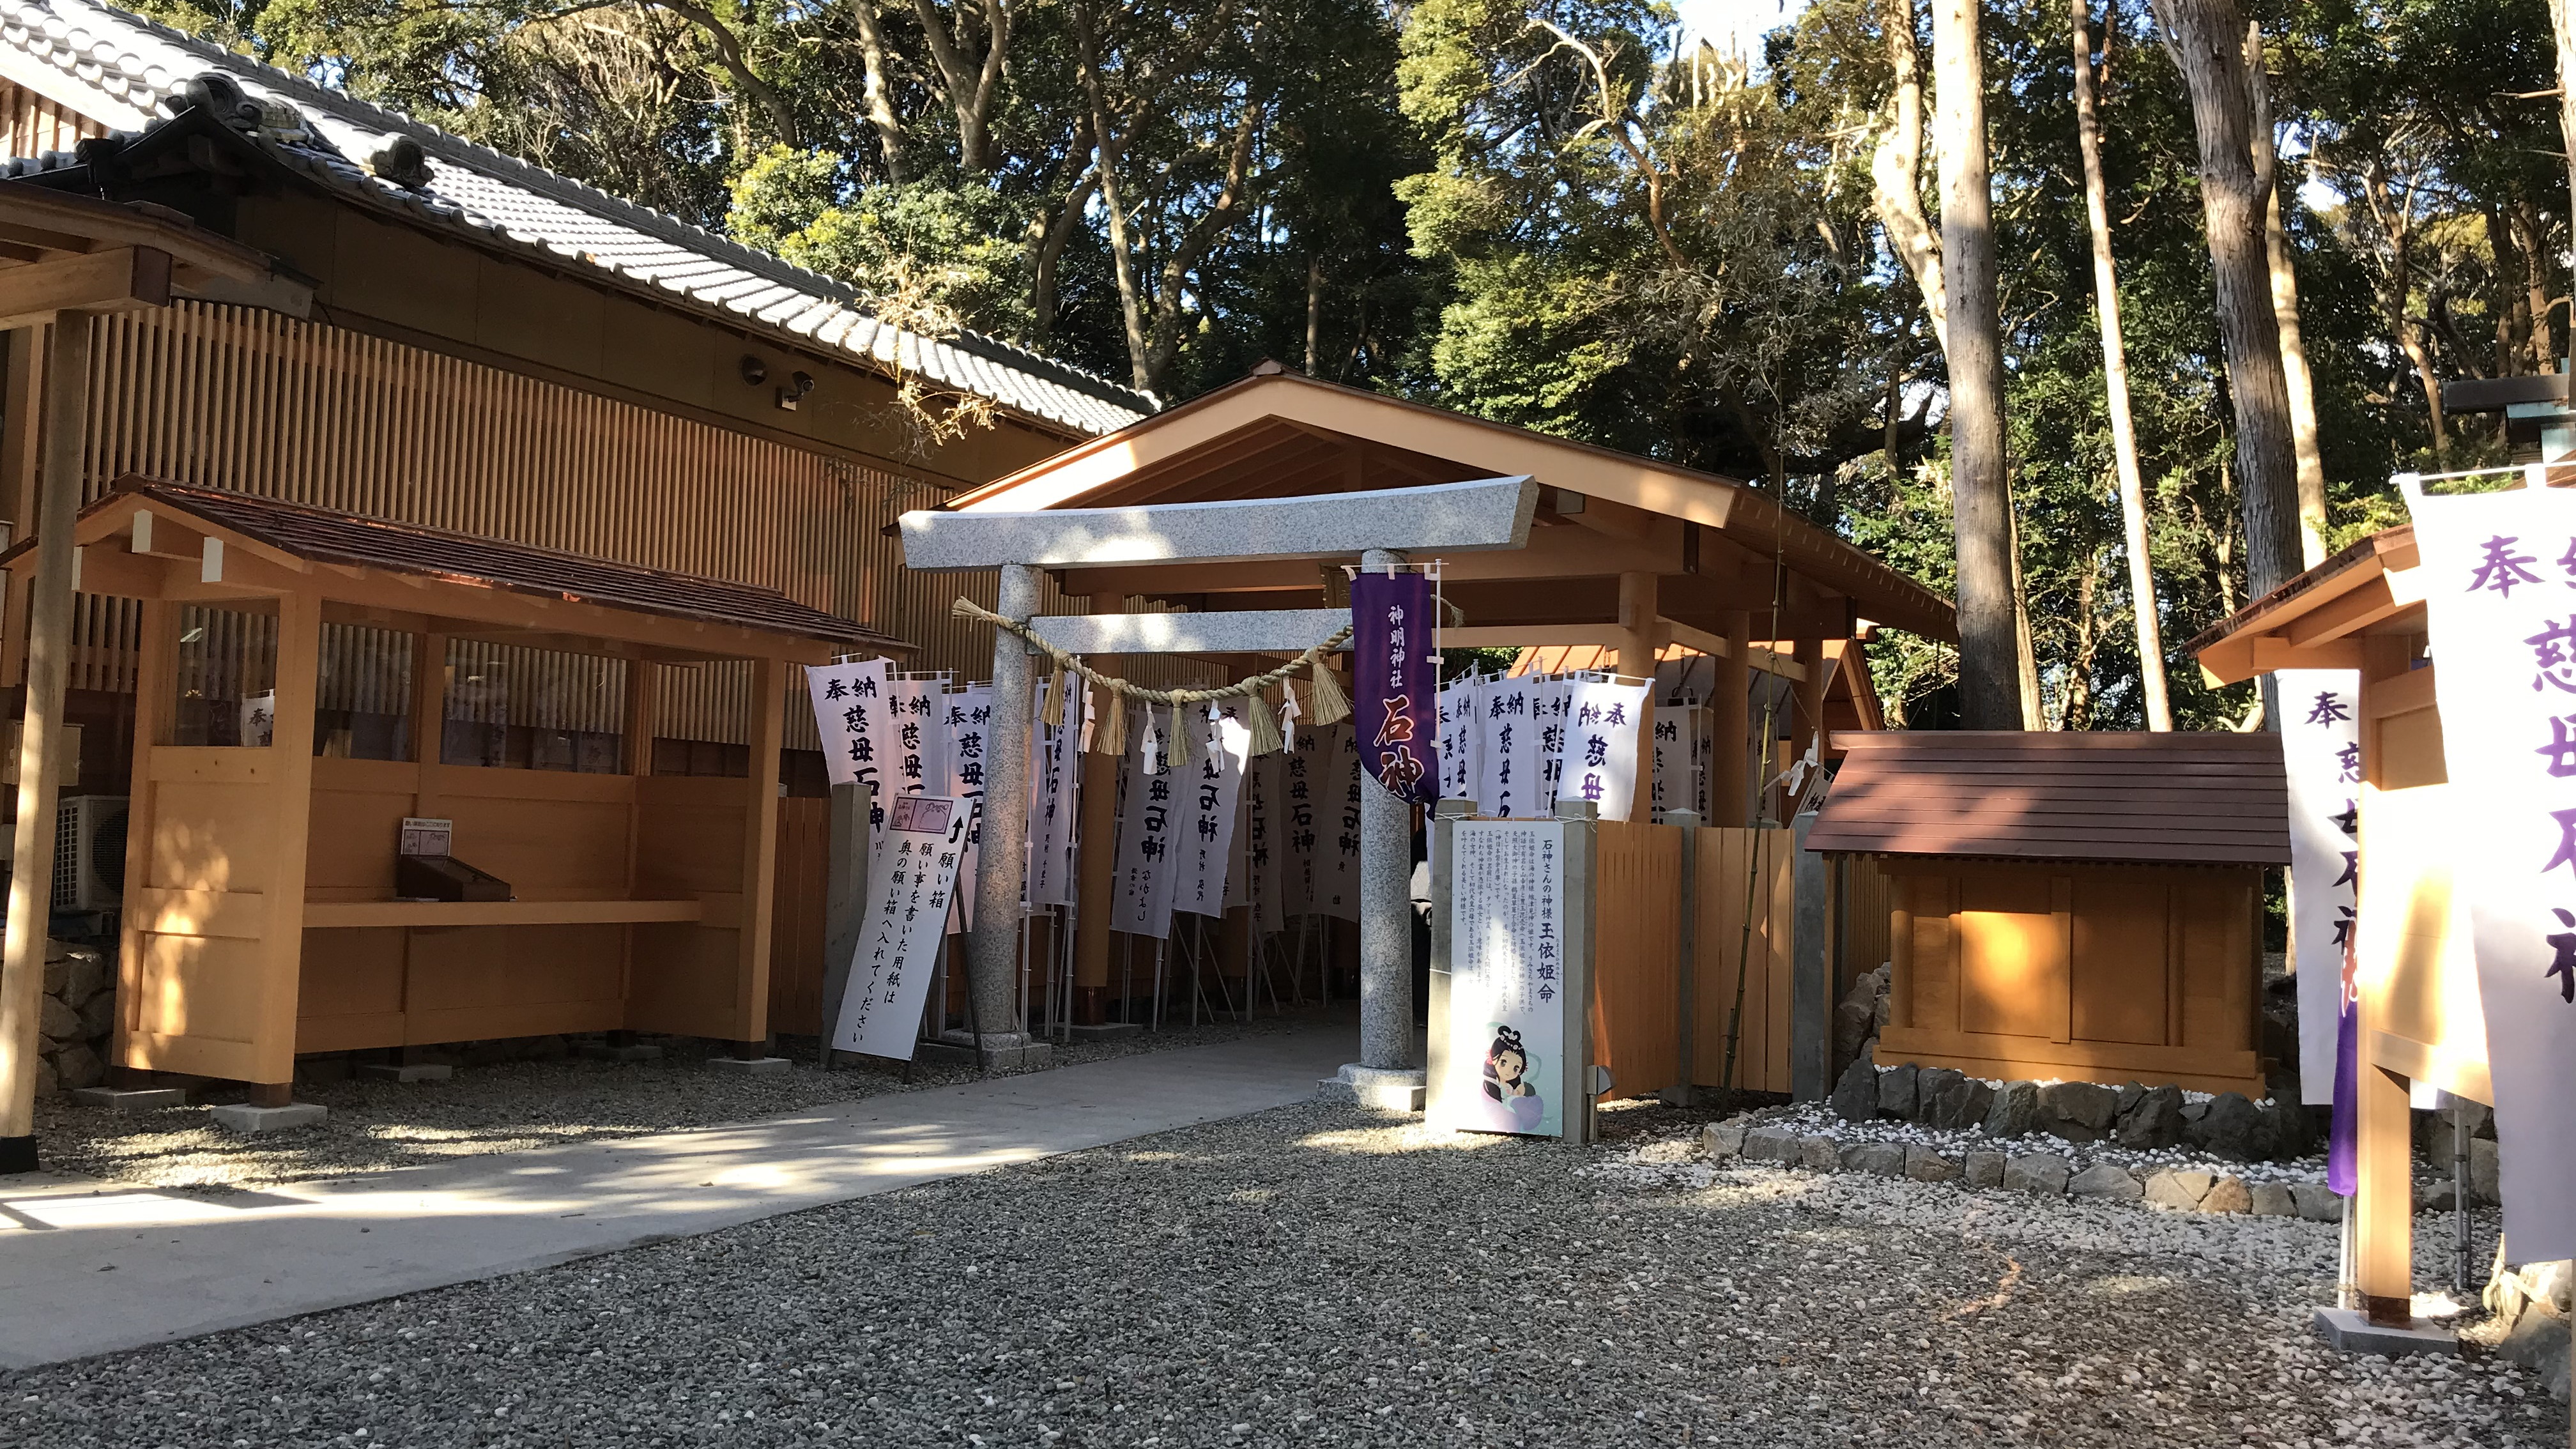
(1507, 757)
(1337, 872)
(851, 715)
(1055, 793)
(2321, 750)
(1303, 809)
(1148, 827)
(967, 718)
(1596, 745)
(1209, 789)
(2499, 581)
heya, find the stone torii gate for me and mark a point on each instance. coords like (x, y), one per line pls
(1379, 528)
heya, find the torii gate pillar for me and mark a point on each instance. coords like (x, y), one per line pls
(992, 948)
(1387, 1075)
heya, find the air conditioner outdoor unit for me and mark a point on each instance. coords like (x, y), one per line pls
(89, 853)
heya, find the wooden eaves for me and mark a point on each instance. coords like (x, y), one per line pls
(151, 539)
(2318, 620)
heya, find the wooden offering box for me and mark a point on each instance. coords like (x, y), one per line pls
(2070, 905)
(261, 916)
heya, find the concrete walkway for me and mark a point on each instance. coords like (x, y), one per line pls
(89, 1267)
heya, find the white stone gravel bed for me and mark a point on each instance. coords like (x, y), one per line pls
(1316, 1276)
(1816, 1118)
(377, 1126)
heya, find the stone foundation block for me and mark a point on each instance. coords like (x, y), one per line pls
(247, 1119)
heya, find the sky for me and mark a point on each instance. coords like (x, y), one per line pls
(1737, 25)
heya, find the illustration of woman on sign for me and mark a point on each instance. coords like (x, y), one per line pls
(1511, 1103)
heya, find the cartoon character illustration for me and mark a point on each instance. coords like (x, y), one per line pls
(1512, 1103)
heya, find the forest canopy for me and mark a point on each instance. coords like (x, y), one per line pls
(1579, 218)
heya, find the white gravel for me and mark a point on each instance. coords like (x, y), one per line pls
(1314, 1276)
(377, 1126)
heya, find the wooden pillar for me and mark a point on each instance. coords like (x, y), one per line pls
(2383, 1203)
(20, 409)
(156, 705)
(22, 968)
(1095, 865)
(1641, 638)
(759, 855)
(1730, 728)
(290, 751)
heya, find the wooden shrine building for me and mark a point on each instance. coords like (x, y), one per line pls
(2416, 975)
(1624, 554)
(262, 915)
(2069, 905)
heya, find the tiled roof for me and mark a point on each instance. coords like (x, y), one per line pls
(131, 66)
(2173, 799)
(324, 535)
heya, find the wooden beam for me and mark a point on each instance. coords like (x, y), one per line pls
(111, 281)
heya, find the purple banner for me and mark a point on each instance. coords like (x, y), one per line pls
(1397, 724)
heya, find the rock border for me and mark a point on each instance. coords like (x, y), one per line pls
(2043, 1174)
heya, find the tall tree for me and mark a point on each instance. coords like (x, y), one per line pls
(2297, 379)
(2115, 382)
(1980, 485)
(2207, 38)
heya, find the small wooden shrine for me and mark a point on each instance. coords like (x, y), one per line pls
(311, 679)
(2069, 905)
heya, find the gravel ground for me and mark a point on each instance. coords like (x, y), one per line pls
(376, 1126)
(1314, 1276)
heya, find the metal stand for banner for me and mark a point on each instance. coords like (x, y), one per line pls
(1127, 983)
(1162, 953)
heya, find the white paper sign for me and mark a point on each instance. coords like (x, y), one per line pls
(1210, 789)
(2499, 579)
(2321, 750)
(966, 719)
(1508, 1008)
(911, 878)
(259, 719)
(851, 714)
(1261, 845)
(1596, 745)
(1551, 701)
(1507, 755)
(1303, 771)
(1056, 796)
(1148, 826)
(1459, 737)
(916, 764)
(1337, 872)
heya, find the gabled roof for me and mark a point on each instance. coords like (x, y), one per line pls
(1278, 433)
(325, 536)
(120, 69)
(2317, 620)
(2165, 799)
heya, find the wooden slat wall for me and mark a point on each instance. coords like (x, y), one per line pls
(31, 125)
(1863, 921)
(796, 916)
(1636, 970)
(232, 397)
(1728, 857)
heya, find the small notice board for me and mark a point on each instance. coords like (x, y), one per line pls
(1517, 979)
(910, 879)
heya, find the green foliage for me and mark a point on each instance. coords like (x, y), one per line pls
(1553, 213)
(939, 252)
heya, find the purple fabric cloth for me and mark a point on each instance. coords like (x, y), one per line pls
(2343, 1173)
(1397, 725)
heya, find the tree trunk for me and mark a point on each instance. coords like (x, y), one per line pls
(2300, 382)
(1989, 649)
(1896, 173)
(1121, 250)
(2207, 38)
(970, 86)
(1314, 312)
(2115, 382)
(2562, 19)
(2025, 648)
(879, 91)
(2531, 238)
